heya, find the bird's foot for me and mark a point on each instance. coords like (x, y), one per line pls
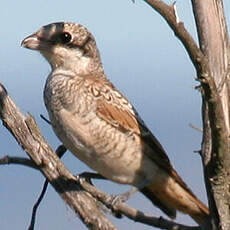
(115, 200)
(121, 198)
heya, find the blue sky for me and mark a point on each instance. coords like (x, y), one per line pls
(141, 56)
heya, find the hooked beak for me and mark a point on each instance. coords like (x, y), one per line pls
(32, 42)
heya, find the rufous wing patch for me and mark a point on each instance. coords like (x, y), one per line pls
(117, 117)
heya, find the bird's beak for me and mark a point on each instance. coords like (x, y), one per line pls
(32, 42)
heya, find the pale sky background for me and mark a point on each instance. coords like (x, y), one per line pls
(141, 56)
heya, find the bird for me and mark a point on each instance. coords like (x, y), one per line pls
(99, 125)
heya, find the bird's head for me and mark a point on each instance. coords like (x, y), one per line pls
(66, 45)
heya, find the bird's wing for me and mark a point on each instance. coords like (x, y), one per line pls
(118, 117)
(126, 121)
(116, 110)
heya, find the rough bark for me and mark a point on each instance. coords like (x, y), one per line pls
(214, 43)
(27, 134)
(212, 63)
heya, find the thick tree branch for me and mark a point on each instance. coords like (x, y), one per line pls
(28, 136)
(214, 43)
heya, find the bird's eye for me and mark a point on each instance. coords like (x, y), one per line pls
(65, 38)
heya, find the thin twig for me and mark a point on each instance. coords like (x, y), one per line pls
(60, 151)
(36, 205)
(18, 160)
(45, 119)
(196, 128)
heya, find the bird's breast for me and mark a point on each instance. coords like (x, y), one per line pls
(115, 154)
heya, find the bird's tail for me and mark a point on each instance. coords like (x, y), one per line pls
(172, 195)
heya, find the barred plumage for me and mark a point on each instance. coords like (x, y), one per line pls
(100, 126)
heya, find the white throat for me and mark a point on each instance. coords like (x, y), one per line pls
(71, 59)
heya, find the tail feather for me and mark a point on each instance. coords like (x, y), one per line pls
(169, 211)
(170, 197)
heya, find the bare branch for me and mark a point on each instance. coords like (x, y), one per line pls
(60, 152)
(214, 43)
(45, 119)
(175, 11)
(133, 213)
(18, 160)
(26, 132)
(6, 160)
(169, 13)
(36, 205)
(196, 128)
